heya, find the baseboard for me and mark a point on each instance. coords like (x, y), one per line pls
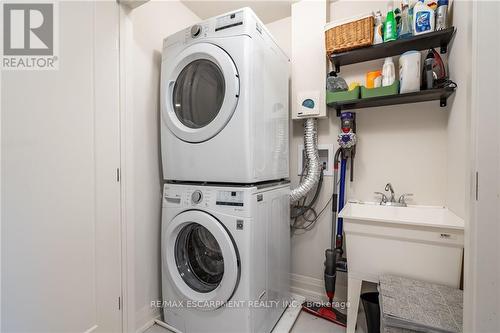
(148, 317)
(314, 289)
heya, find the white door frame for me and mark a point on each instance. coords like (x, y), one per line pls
(126, 46)
(127, 149)
(482, 267)
(126, 153)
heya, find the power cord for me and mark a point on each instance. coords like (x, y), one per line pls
(304, 216)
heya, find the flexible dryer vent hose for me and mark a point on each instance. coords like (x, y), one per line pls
(313, 165)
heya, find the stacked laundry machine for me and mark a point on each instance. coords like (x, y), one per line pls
(224, 142)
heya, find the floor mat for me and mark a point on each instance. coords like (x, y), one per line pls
(420, 306)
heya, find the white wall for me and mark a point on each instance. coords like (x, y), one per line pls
(419, 148)
(280, 30)
(458, 129)
(405, 144)
(151, 23)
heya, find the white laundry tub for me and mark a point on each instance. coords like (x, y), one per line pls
(421, 242)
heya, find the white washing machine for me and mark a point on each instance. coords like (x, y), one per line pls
(224, 102)
(225, 257)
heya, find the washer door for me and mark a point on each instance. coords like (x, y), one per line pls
(201, 90)
(201, 258)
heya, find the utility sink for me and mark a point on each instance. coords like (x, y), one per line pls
(425, 216)
(421, 242)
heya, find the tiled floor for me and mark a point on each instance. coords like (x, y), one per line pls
(156, 329)
(305, 323)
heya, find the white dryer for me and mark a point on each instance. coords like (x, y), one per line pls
(225, 257)
(224, 102)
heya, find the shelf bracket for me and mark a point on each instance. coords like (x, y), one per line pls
(338, 110)
(444, 49)
(442, 102)
(337, 68)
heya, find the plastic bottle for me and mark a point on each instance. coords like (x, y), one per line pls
(410, 14)
(405, 25)
(388, 72)
(442, 15)
(390, 28)
(377, 33)
(335, 83)
(423, 19)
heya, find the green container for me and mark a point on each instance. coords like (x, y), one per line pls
(340, 96)
(381, 91)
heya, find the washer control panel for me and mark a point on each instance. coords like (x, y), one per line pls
(229, 198)
(196, 197)
(195, 30)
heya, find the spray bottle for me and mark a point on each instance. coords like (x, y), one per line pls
(377, 33)
(405, 26)
(390, 27)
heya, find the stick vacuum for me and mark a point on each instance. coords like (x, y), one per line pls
(333, 255)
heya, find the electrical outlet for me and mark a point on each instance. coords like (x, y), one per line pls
(325, 152)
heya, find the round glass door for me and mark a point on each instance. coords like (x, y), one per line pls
(199, 92)
(201, 258)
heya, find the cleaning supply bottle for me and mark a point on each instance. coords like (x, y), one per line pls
(390, 28)
(335, 83)
(442, 15)
(388, 72)
(411, 5)
(405, 30)
(377, 33)
(423, 18)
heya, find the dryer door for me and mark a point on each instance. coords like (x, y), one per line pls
(201, 258)
(200, 90)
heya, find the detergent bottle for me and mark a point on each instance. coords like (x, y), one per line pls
(390, 28)
(423, 18)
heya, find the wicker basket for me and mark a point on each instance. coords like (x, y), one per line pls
(349, 36)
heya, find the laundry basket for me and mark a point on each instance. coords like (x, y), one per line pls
(349, 34)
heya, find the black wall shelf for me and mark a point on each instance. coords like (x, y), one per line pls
(421, 42)
(438, 94)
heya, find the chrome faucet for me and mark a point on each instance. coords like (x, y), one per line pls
(389, 187)
(385, 201)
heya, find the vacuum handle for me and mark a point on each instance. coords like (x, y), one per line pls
(334, 202)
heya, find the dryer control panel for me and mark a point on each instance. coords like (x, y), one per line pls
(229, 21)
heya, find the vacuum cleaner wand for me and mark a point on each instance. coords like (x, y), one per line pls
(330, 274)
(333, 255)
(329, 312)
